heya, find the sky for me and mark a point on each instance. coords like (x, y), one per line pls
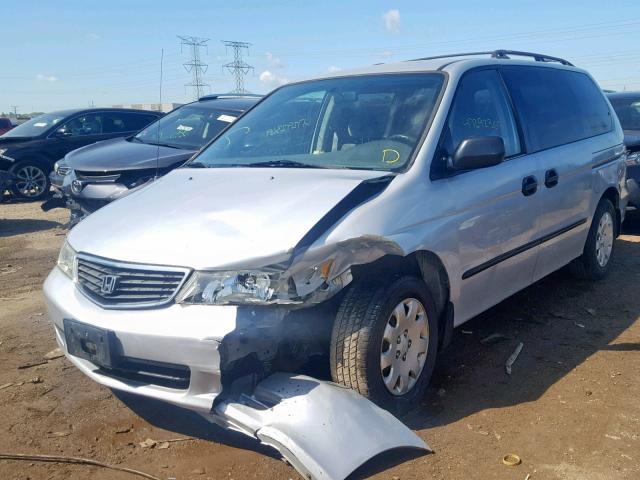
(56, 55)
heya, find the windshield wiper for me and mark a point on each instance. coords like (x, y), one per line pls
(195, 165)
(282, 164)
(164, 145)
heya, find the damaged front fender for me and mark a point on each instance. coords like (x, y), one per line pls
(325, 431)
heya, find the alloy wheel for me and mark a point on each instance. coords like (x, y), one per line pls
(30, 181)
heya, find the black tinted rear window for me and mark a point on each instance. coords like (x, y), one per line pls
(557, 106)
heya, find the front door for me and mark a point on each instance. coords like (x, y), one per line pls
(495, 209)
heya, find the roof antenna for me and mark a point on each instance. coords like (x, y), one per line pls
(159, 119)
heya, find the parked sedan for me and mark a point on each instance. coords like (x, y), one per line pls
(627, 107)
(92, 176)
(30, 150)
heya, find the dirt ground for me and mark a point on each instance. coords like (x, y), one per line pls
(570, 409)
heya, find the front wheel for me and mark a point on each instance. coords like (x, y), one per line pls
(31, 182)
(595, 261)
(385, 340)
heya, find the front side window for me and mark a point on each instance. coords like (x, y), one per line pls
(90, 124)
(371, 122)
(479, 109)
(188, 127)
(556, 106)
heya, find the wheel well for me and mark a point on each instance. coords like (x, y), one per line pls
(612, 195)
(422, 264)
(40, 161)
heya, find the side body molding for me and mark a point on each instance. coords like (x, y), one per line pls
(324, 430)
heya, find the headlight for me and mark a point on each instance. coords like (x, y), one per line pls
(2, 153)
(237, 288)
(61, 168)
(2, 150)
(633, 159)
(67, 261)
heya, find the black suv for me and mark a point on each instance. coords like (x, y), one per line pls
(30, 150)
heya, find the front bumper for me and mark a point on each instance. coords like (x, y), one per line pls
(312, 423)
(181, 335)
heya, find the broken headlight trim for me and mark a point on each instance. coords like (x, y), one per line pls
(633, 159)
(233, 288)
(67, 261)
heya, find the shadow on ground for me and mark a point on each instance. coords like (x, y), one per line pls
(19, 226)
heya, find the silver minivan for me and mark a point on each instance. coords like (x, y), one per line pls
(355, 219)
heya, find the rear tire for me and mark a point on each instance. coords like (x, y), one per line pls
(368, 352)
(32, 180)
(595, 261)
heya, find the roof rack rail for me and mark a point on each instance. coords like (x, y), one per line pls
(213, 96)
(503, 54)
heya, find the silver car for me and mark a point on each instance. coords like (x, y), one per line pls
(355, 219)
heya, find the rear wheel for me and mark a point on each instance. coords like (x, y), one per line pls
(385, 340)
(595, 261)
(32, 180)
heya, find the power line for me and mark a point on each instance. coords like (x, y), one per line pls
(238, 68)
(196, 67)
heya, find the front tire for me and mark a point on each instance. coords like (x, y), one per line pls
(595, 261)
(385, 340)
(32, 180)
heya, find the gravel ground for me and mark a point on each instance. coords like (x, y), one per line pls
(570, 409)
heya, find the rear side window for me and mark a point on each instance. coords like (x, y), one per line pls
(556, 106)
(117, 122)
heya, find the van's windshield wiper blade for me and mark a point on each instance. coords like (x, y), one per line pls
(283, 164)
(195, 165)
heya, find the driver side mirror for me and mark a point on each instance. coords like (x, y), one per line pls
(478, 152)
(62, 133)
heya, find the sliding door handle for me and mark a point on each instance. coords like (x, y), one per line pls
(551, 178)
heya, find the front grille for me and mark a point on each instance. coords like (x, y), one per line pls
(115, 284)
(97, 178)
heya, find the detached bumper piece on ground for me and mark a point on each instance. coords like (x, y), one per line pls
(324, 430)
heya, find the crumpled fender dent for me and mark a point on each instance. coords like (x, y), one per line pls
(324, 430)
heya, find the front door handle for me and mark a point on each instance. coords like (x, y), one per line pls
(551, 178)
(529, 185)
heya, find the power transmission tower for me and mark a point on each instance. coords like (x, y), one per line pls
(196, 67)
(15, 110)
(238, 68)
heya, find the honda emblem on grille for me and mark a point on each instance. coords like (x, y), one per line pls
(108, 284)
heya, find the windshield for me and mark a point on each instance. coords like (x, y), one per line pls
(188, 127)
(628, 111)
(36, 126)
(371, 122)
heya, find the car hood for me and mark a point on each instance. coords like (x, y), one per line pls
(210, 218)
(121, 154)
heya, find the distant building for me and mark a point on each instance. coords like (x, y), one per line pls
(154, 107)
